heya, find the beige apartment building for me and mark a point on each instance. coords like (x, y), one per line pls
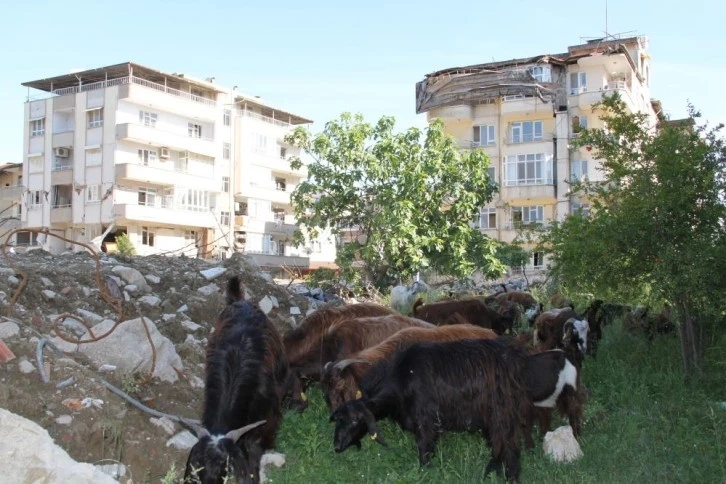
(525, 112)
(11, 188)
(181, 165)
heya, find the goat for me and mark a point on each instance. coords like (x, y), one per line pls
(559, 301)
(465, 385)
(548, 329)
(530, 306)
(354, 335)
(246, 374)
(303, 343)
(340, 380)
(472, 311)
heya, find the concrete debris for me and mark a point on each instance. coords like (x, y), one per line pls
(295, 311)
(208, 290)
(9, 330)
(561, 446)
(266, 305)
(106, 368)
(46, 282)
(165, 424)
(131, 276)
(64, 420)
(30, 455)
(89, 316)
(191, 325)
(152, 278)
(212, 273)
(184, 440)
(150, 300)
(26, 367)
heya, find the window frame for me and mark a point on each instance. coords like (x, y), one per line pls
(37, 127)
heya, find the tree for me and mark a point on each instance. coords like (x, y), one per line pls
(395, 202)
(656, 229)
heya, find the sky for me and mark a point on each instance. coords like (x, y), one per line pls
(321, 58)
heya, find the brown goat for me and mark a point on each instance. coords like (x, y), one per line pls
(353, 335)
(530, 306)
(472, 311)
(340, 379)
(548, 327)
(303, 343)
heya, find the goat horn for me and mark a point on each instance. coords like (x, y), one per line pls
(343, 364)
(234, 435)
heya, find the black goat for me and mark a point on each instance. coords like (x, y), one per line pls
(466, 385)
(246, 377)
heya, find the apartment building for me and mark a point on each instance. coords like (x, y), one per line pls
(525, 112)
(181, 165)
(11, 188)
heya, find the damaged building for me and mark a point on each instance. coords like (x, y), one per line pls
(525, 112)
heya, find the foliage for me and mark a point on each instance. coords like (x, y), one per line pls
(513, 255)
(656, 229)
(396, 203)
(633, 385)
(124, 245)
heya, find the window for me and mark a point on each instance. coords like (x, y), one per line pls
(538, 260)
(35, 163)
(227, 117)
(492, 174)
(542, 73)
(147, 196)
(530, 169)
(526, 131)
(513, 97)
(280, 184)
(486, 219)
(193, 200)
(522, 216)
(147, 119)
(225, 184)
(260, 141)
(194, 130)
(93, 157)
(94, 118)
(35, 199)
(93, 193)
(283, 152)
(581, 209)
(225, 151)
(37, 127)
(578, 124)
(224, 218)
(578, 170)
(147, 237)
(147, 157)
(190, 237)
(484, 135)
(578, 82)
(279, 215)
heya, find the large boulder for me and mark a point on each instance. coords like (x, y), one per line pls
(30, 455)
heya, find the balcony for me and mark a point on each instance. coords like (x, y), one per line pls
(124, 213)
(157, 137)
(277, 164)
(528, 193)
(279, 227)
(62, 173)
(61, 215)
(11, 193)
(268, 191)
(64, 139)
(165, 174)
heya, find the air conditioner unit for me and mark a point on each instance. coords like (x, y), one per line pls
(62, 152)
(164, 153)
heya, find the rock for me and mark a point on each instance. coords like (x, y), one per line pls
(106, 368)
(89, 316)
(30, 455)
(295, 311)
(266, 305)
(196, 382)
(9, 330)
(561, 446)
(47, 294)
(268, 459)
(132, 289)
(208, 290)
(166, 317)
(150, 300)
(115, 470)
(13, 281)
(152, 278)
(183, 308)
(190, 325)
(165, 424)
(127, 348)
(7, 271)
(213, 273)
(275, 302)
(64, 420)
(132, 276)
(26, 367)
(184, 440)
(46, 282)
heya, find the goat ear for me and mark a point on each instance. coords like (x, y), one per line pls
(234, 435)
(567, 330)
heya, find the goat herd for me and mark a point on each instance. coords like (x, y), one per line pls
(452, 365)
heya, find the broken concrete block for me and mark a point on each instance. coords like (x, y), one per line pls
(266, 305)
(213, 273)
(208, 290)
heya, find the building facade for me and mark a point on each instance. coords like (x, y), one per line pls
(180, 165)
(11, 188)
(525, 112)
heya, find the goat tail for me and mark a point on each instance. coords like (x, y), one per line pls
(235, 290)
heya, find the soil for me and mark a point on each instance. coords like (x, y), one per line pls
(108, 429)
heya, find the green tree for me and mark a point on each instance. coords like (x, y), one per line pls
(410, 197)
(124, 245)
(656, 229)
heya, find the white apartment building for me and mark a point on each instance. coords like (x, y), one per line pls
(179, 164)
(524, 113)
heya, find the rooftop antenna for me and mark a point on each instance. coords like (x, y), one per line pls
(606, 19)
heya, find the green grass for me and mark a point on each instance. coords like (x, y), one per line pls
(644, 422)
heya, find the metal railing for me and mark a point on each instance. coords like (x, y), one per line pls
(266, 119)
(174, 92)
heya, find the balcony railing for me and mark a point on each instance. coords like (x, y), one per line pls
(266, 119)
(130, 80)
(62, 166)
